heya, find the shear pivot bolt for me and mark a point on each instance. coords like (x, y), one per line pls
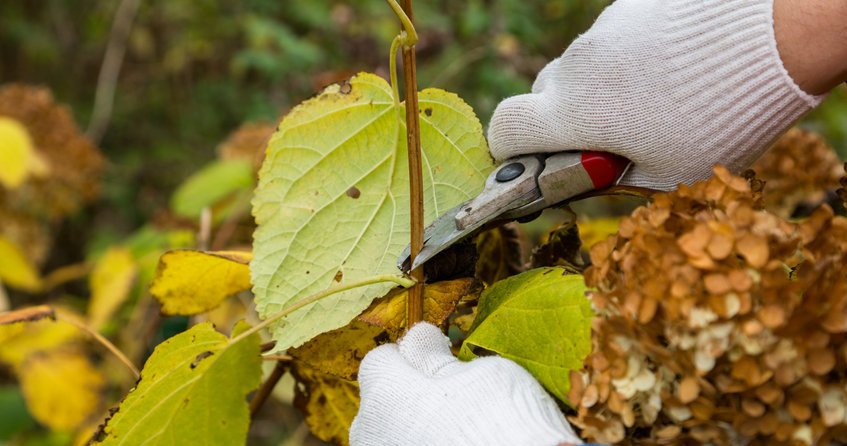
(509, 172)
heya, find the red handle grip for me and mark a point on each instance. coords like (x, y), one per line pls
(603, 168)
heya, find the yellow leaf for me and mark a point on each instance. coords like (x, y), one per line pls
(19, 340)
(597, 230)
(439, 300)
(18, 158)
(328, 403)
(191, 282)
(110, 282)
(339, 352)
(61, 388)
(15, 270)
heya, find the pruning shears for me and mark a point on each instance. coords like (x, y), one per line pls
(519, 188)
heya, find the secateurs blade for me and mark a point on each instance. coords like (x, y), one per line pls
(519, 187)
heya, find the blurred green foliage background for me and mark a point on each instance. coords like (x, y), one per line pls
(195, 70)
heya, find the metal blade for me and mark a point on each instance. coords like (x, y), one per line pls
(443, 233)
(442, 226)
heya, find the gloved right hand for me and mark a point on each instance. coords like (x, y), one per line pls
(676, 86)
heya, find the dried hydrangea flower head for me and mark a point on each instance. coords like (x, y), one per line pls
(73, 162)
(800, 169)
(719, 323)
(248, 142)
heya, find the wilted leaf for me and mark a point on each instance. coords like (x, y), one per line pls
(193, 386)
(540, 319)
(18, 157)
(211, 184)
(19, 340)
(597, 230)
(15, 270)
(328, 403)
(333, 197)
(29, 314)
(191, 282)
(439, 300)
(110, 282)
(62, 388)
(561, 249)
(339, 352)
(500, 253)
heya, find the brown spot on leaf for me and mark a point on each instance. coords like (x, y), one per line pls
(428, 111)
(200, 357)
(338, 276)
(353, 193)
(346, 88)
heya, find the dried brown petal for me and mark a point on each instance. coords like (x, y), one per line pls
(717, 283)
(754, 248)
(821, 360)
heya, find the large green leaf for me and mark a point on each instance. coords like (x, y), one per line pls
(332, 203)
(193, 390)
(540, 319)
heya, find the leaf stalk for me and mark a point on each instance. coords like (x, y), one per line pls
(111, 347)
(403, 281)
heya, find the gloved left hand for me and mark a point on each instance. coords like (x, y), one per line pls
(416, 392)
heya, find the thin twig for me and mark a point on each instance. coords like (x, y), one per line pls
(111, 347)
(413, 138)
(266, 389)
(104, 97)
(399, 280)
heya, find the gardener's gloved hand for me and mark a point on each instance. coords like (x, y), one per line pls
(416, 392)
(676, 86)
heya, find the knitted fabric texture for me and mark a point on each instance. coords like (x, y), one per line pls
(676, 86)
(416, 392)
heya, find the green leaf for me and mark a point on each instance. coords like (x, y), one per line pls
(541, 319)
(332, 203)
(13, 412)
(194, 386)
(211, 184)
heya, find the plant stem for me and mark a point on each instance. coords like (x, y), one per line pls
(414, 312)
(410, 38)
(266, 389)
(399, 280)
(101, 340)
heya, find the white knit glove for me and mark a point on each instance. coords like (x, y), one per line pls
(416, 392)
(676, 86)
